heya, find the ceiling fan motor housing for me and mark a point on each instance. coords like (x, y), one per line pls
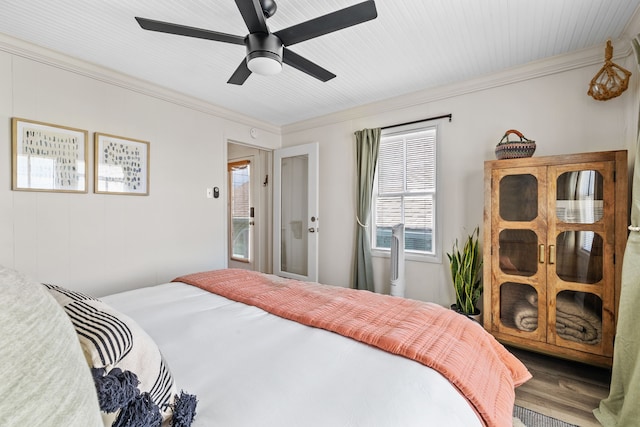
(264, 45)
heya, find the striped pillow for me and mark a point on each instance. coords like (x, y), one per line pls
(110, 340)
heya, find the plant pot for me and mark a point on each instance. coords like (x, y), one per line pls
(476, 316)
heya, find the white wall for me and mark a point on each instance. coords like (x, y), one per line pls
(550, 107)
(105, 243)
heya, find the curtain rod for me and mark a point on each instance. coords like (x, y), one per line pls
(419, 121)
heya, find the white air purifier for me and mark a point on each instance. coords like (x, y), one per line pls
(397, 261)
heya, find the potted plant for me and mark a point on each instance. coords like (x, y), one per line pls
(466, 272)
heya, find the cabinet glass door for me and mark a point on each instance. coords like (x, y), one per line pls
(579, 197)
(518, 301)
(518, 197)
(518, 246)
(576, 258)
(519, 307)
(578, 252)
(518, 252)
(578, 317)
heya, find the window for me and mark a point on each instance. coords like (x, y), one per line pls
(240, 210)
(405, 190)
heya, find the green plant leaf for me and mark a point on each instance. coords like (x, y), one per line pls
(466, 271)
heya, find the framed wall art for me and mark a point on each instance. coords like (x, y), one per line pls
(121, 165)
(48, 157)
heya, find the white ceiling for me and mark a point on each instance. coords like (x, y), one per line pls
(412, 45)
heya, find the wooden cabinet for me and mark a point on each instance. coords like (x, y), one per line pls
(555, 230)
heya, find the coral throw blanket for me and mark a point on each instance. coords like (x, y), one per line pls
(459, 348)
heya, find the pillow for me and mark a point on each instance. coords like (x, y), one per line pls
(44, 377)
(111, 340)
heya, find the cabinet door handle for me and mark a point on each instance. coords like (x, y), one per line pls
(552, 254)
(541, 254)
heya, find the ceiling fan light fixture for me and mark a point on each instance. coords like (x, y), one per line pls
(264, 63)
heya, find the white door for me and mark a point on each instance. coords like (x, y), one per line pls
(295, 204)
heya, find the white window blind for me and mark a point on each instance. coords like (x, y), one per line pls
(405, 190)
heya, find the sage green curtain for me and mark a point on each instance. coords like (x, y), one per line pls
(622, 407)
(367, 146)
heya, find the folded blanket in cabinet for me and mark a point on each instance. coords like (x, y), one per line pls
(526, 316)
(574, 321)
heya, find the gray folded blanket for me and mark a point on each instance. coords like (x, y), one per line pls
(574, 322)
(526, 316)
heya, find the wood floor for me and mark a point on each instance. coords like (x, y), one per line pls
(562, 389)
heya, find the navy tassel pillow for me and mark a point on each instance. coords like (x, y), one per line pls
(129, 372)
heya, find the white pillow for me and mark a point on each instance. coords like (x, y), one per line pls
(111, 339)
(45, 380)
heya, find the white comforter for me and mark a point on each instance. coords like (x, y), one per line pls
(249, 368)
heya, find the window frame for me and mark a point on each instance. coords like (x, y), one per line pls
(436, 256)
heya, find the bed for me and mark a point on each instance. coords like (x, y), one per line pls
(247, 366)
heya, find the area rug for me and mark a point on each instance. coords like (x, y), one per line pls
(523, 417)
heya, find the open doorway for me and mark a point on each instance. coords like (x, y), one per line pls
(249, 207)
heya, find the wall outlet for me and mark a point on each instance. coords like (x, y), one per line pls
(209, 193)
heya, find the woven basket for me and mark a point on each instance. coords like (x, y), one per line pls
(514, 149)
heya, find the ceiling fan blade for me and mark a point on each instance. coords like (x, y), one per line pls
(183, 30)
(306, 66)
(329, 23)
(241, 74)
(251, 12)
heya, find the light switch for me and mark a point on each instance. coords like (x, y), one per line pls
(209, 193)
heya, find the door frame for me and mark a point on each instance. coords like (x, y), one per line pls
(262, 195)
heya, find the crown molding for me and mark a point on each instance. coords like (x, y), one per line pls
(533, 70)
(54, 59)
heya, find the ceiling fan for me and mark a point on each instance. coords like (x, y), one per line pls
(266, 51)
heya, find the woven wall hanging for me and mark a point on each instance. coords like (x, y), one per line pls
(611, 80)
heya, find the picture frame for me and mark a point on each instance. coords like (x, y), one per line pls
(48, 157)
(121, 165)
